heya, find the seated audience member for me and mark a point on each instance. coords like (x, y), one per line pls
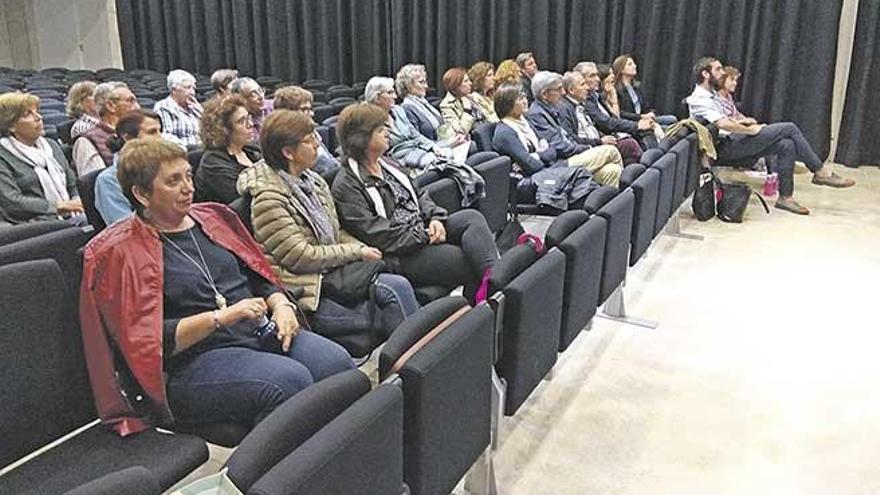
(742, 139)
(180, 111)
(726, 90)
(221, 79)
(383, 208)
(110, 202)
(508, 73)
(301, 100)
(632, 103)
(412, 84)
(482, 76)
(90, 150)
(574, 119)
(186, 296)
(416, 152)
(257, 105)
(603, 161)
(460, 112)
(226, 132)
(602, 116)
(533, 157)
(528, 67)
(295, 221)
(36, 183)
(81, 106)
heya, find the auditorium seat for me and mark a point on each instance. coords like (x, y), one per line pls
(46, 393)
(442, 358)
(86, 187)
(619, 214)
(527, 289)
(495, 171)
(666, 165)
(582, 239)
(646, 189)
(136, 480)
(18, 232)
(62, 246)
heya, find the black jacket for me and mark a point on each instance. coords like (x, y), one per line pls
(605, 121)
(627, 105)
(218, 172)
(569, 121)
(545, 120)
(358, 215)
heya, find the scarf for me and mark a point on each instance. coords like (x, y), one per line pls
(421, 106)
(40, 157)
(303, 189)
(526, 134)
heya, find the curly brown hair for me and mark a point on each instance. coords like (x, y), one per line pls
(477, 74)
(507, 72)
(216, 122)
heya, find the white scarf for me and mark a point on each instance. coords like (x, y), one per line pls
(526, 134)
(49, 172)
(373, 192)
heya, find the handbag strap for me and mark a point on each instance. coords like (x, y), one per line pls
(428, 337)
(763, 202)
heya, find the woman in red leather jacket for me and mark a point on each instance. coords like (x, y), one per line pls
(182, 295)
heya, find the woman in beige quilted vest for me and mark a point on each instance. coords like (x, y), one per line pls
(294, 220)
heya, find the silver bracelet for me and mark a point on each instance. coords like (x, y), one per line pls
(216, 316)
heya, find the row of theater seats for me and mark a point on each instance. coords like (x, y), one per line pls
(447, 374)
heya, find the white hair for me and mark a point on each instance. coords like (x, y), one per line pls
(376, 86)
(406, 77)
(179, 77)
(544, 80)
(583, 66)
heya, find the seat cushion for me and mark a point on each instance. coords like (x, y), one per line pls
(98, 451)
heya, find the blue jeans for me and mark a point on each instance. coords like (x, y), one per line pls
(245, 385)
(391, 300)
(665, 120)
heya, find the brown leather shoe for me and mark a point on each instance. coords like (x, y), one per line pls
(833, 180)
(792, 206)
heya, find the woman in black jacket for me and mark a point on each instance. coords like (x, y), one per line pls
(379, 205)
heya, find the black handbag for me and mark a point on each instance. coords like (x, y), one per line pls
(734, 200)
(350, 283)
(703, 203)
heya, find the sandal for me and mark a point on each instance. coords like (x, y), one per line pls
(833, 180)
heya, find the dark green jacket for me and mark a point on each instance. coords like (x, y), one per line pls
(21, 195)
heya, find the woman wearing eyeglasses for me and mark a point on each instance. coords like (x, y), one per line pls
(226, 132)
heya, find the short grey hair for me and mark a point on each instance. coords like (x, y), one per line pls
(221, 78)
(237, 86)
(406, 76)
(104, 94)
(375, 87)
(179, 77)
(522, 58)
(543, 81)
(569, 79)
(583, 66)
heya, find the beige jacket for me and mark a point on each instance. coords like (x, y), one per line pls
(283, 229)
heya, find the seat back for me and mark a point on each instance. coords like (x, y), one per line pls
(482, 136)
(582, 239)
(360, 451)
(44, 384)
(447, 392)
(292, 424)
(650, 156)
(86, 187)
(619, 214)
(532, 314)
(194, 157)
(495, 205)
(666, 166)
(18, 232)
(646, 190)
(62, 246)
(682, 151)
(445, 193)
(693, 171)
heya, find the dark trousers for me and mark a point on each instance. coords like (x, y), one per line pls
(784, 140)
(461, 260)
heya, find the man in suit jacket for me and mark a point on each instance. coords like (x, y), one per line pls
(574, 119)
(603, 118)
(603, 160)
(528, 67)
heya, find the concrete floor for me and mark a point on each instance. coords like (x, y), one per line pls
(761, 377)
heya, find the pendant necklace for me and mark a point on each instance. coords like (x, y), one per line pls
(219, 300)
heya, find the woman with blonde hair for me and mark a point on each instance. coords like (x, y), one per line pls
(508, 73)
(81, 106)
(36, 182)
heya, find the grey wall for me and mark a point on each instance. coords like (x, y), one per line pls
(78, 34)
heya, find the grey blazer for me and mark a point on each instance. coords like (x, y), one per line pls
(21, 195)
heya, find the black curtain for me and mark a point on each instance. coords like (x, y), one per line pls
(858, 141)
(785, 48)
(335, 40)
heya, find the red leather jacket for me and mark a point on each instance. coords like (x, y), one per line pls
(121, 299)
